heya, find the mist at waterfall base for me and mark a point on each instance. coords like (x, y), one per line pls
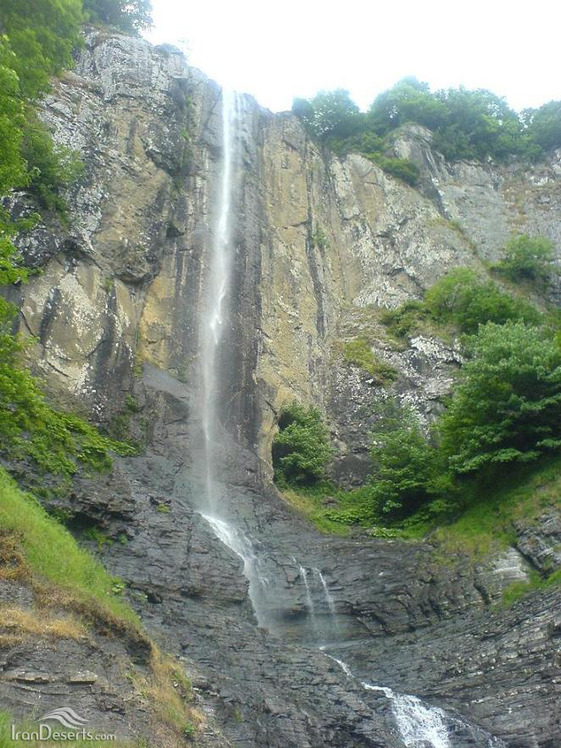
(418, 724)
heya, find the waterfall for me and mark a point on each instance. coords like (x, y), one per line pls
(213, 314)
(343, 665)
(327, 594)
(320, 628)
(416, 722)
(309, 600)
(212, 328)
(422, 725)
(242, 546)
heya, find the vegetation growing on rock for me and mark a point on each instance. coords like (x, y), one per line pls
(463, 299)
(39, 39)
(30, 429)
(301, 449)
(35, 546)
(465, 124)
(130, 16)
(74, 595)
(359, 352)
(528, 259)
(505, 410)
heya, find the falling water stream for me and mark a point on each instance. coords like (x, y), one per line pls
(213, 323)
(327, 594)
(213, 317)
(418, 723)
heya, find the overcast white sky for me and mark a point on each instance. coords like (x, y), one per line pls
(278, 50)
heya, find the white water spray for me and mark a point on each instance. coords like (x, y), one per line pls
(309, 599)
(417, 722)
(327, 594)
(242, 546)
(218, 282)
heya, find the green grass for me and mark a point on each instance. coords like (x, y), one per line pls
(53, 555)
(352, 511)
(307, 500)
(486, 524)
(518, 590)
(359, 352)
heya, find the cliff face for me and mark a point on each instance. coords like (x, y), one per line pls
(321, 241)
(320, 244)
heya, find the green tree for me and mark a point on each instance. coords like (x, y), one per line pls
(51, 167)
(408, 101)
(508, 405)
(478, 124)
(528, 258)
(301, 449)
(329, 114)
(42, 34)
(544, 125)
(405, 464)
(12, 164)
(130, 16)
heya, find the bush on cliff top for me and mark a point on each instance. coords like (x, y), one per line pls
(465, 124)
(130, 16)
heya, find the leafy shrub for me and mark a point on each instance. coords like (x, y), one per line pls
(527, 258)
(301, 449)
(508, 406)
(401, 168)
(130, 16)
(12, 165)
(359, 353)
(319, 238)
(51, 167)
(405, 464)
(403, 320)
(189, 730)
(463, 299)
(42, 33)
(365, 143)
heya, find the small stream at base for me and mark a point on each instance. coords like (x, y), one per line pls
(419, 725)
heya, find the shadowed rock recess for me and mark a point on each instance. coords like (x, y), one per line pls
(298, 640)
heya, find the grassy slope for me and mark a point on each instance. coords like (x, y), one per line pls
(487, 524)
(484, 526)
(52, 554)
(38, 550)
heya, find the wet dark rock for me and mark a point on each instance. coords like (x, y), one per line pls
(540, 541)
